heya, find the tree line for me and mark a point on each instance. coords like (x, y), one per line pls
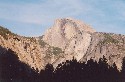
(12, 70)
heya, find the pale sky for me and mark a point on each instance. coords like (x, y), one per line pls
(34, 17)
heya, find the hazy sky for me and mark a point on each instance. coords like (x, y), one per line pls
(33, 17)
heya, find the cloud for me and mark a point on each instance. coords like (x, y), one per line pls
(37, 13)
(42, 12)
(98, 13)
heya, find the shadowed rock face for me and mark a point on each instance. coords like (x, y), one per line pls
(27, 49)
(66, 39)
(110, 45)
(82, 42)
(72, 36)
(64, 30)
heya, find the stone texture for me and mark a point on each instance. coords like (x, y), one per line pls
(82, 42)
(28, 51)
(74, 38)
(109, 45)
(64, 30)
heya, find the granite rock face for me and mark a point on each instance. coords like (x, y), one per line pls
(66, 39)
(79, 40)
(72, 36)
(110, 45)
(27, 49)
(64, 30)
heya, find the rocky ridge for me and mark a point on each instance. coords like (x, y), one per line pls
(66, 39)
(110, 45)
(27, 49)
(79, 40)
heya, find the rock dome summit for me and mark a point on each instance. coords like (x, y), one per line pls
(68, 38)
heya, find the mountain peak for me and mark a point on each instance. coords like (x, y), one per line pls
(68, 38)
(73, 23)
(71, 35)
(82, 42)
(64, 30)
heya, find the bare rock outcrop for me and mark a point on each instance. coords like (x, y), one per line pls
(72, 36)
(66, 39)
(27, 49)
(64, 30)
(110, 45)
(79, 40)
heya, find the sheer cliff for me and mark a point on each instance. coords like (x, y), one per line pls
(66, 39)
(81, 41)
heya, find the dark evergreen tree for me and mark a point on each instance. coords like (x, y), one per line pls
(47, 74)
(123, 70)
(12, 70)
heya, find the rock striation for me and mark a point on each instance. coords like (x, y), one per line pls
(64, 30)
(79, 40)
(68, 38)
(110, 45)
(72, 36)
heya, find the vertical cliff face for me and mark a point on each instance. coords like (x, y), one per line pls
(79, 40)
(64, 30)
(72, 36)
(66, 39)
